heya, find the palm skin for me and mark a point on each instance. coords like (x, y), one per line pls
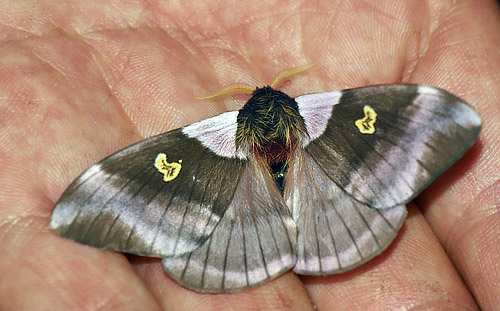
(82, 79)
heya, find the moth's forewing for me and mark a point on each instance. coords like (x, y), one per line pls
(418, 133)
(127, 203)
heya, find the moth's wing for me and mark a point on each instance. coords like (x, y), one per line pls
(123, 203)
(336, 233)
(255, 240)
(420, 131)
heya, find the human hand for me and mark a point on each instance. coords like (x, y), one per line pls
(81, 80)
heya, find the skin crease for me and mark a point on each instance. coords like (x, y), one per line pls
(80, 80)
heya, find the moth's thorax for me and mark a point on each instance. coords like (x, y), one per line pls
(270, 125)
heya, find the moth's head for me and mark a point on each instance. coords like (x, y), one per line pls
(269, 125)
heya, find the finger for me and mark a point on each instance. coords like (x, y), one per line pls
(58, 121)
(463, 207)
(283, 293)
(413, 273)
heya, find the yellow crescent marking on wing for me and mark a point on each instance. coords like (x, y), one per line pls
(169, 170)
(366, 125)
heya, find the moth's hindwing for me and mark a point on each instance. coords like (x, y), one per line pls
(336, 233)
(384, 144)
(160, 197)
(255, 241)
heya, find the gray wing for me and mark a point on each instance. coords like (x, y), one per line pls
(254, 242)
(336, 233)
(124, 203)
(418, 133)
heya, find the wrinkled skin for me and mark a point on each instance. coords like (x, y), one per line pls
(82, 79)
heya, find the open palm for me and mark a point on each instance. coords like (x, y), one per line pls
(80, 80)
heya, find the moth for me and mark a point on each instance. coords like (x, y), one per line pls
(317, 184)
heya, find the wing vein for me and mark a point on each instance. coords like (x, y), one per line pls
(242, 224)
(109, 200)
(226, 252)
(186, 209)
(325, 151)
(387, 162)
(205, 261)
(409, 153)
(263, 257)
(360, 158)
(366, 223)
(188, 261)
(385, 219)
(349, 232)
(174, 193)
(143, 207)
